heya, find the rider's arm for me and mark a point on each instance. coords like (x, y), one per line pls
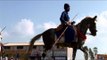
(62, 18)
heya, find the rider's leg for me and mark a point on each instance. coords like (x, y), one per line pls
(74, 53)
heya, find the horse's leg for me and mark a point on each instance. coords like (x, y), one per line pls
(45, 49)
(47, 53)
(85, 50)
(48, 39)
(74, 53)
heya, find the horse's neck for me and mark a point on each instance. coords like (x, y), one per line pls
(82, 27)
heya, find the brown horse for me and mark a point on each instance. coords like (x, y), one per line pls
(49, 37)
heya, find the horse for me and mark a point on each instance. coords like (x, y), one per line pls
(49, 37)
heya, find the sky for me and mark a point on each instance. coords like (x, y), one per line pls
(25, 19)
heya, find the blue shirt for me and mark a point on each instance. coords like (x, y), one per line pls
(64, 17)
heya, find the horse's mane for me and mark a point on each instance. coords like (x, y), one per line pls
(84, 21)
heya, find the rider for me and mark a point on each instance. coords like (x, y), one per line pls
(65, 21)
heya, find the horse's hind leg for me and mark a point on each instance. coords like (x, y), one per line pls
(44, 53)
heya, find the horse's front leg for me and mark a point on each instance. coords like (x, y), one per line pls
(85, 50)
(74, 53)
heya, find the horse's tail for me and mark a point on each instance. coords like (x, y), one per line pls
(33, 41)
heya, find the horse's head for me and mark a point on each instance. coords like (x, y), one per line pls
(92, 25)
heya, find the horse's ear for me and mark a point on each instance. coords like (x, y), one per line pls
(94, 18)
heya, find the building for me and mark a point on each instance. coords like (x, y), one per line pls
(12, 49)
(101, 56)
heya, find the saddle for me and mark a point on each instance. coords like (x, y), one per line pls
(69, 34)
(62, 26)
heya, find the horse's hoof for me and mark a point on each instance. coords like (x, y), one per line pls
(43, 55)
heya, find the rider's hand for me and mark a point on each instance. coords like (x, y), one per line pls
(68, 23)
(73, 22)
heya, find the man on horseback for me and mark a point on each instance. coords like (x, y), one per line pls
(64, 16)
(65, 22)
